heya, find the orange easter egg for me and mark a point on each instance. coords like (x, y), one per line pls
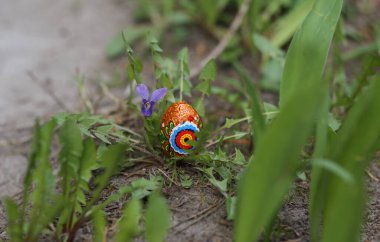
(179, 125)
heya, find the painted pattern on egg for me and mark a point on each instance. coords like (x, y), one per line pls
(179, 125)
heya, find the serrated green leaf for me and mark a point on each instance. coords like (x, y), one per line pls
(208, 73)
(129, 225)
(239, 158)
(145, 187)
(204, 87)
(14, 220)
(186, 181)
(70, 154)
(110, 158)
(333, 123)
(88, 160)
(44, 183)
(231, 122)
(60, 118)
(221, 185)
(157, 218)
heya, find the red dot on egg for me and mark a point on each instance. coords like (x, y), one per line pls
(191, 118)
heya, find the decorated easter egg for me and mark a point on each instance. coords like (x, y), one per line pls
(179, 126)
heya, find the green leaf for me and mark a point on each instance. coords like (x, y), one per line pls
(352, 149)
(333, 123)
(110, 158)
(204, 87)
(183, 72)
(221, 185)
(88, 160)
(272, 73)
(99, 224)
(256, 103)
(14, 224)
(200, 107)
(44, 183)
(334, 168)
(145, 187)
(208, 73)
(284, 28)
(239, 158)
(271, 171)
(157, 218)
(129, 225)
(320, 147)
(274, 166)
(266, 47)
(186, 181)
(310, 47)
(231, 207)
(231, 122)
(70, 154)
(116, 46)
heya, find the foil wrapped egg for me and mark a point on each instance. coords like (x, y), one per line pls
(179, 126)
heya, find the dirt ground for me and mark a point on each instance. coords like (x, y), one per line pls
(71, 35)
(42, 46)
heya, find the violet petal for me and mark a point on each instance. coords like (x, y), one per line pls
(143, 91)
(158, 94)
(147, 108)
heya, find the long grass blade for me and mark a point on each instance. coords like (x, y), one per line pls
(257, 108)
(269, 175)
(352, 149)
(320, 146)
(308, 50)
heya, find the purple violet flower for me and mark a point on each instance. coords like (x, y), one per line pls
(147, 103)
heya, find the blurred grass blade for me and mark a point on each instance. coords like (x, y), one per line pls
(285, 27)
(110, 159)
(334, 168)
(43, 181)
(116, 46)
(320, 146)
(271, 171)
(128, 226)
(14, 224)
(257, 109)
(99, 224)
(308, 50)
(352, 148)
(269, 175)
(157, 218)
